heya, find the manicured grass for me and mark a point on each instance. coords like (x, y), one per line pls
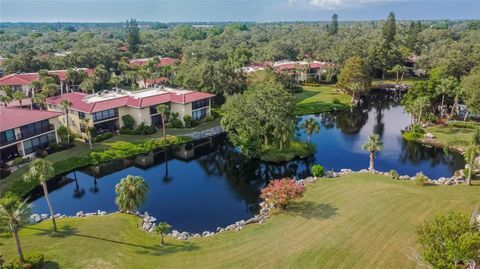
(447, 135)
(357, 221)
(320, 99)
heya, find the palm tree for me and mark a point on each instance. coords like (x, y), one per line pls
(50, 89)
(5, 99)
(88, 130)
(65, 104)
(87, 85)
(162, 229)
(40, 171)
(356, 88)
(19, 96)
(311, 126)
(398, 69)
(163, 110)
(373, 144)
(131, 193)
(116, 80)
(14, 213)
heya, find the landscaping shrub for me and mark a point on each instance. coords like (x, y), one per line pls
(336, 101)
(128, 121)
(33, 260)
(464, 124)
(188, 121)
(420, 179)
(18, 161)
(209, 118)
(280, 191)
(318, 170)
(394, 174)
(102, 137)
(144, 129)
(176, 123)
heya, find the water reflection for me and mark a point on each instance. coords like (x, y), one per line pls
(201, 185)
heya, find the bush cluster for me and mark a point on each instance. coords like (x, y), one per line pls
(142, 129)
(33, 260)
(394, 174)
(463, 124)
(190, 122)
(280, 191)
(318, 170)
(102, 137)
(420, 179)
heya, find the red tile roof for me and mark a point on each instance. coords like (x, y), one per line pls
(28, 78)
(15, 117)
(156, 80)
(15, 103)
(79, 103)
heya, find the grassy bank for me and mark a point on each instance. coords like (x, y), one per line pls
(319, 99)
(356, 221)
(118, 147)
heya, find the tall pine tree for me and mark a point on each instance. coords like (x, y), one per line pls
(333, 29)
(133, 35)
(389, 29)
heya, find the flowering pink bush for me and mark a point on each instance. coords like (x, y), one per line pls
(280, 191)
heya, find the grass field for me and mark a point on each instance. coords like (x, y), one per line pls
(448, 135)
(357, 221)
(320, 99)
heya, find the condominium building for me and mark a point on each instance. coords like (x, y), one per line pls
(106, 109)
(24, 131)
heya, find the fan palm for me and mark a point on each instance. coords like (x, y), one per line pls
(87, 85)
(163, 109)
(66, 104)
(14, 213)
(19, 96)
(162, 229)
(49, 89)
(311, 126)
(131, 193)
(5, 99)
(41, 171)
(88, 130)
(373, 144)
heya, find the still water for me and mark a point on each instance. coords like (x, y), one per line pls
(202, 185)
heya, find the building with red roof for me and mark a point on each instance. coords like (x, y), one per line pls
(23, 81)
(25, 131)
(106, 109)
(161, 61)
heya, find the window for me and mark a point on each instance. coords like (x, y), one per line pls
(7, 136)
(37, 143)
(35, 128)
(199, 114)
(200, 103)
(153, 110)
(105, 114)
(81, 115)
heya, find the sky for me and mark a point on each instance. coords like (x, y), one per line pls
(232, 10)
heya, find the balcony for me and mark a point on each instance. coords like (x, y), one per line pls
(26, 135)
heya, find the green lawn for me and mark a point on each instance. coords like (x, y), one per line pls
(320, 99)
(448, 135)
(357, 221)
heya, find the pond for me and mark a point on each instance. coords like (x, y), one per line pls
(206, 184)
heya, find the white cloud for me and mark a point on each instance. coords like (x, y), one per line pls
(339, 4)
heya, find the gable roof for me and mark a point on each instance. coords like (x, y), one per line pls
(86, 103)
(15, 117)
(28, 78)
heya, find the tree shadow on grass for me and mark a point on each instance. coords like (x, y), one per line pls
(311, 210)
(66, 231)
(50, 265)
